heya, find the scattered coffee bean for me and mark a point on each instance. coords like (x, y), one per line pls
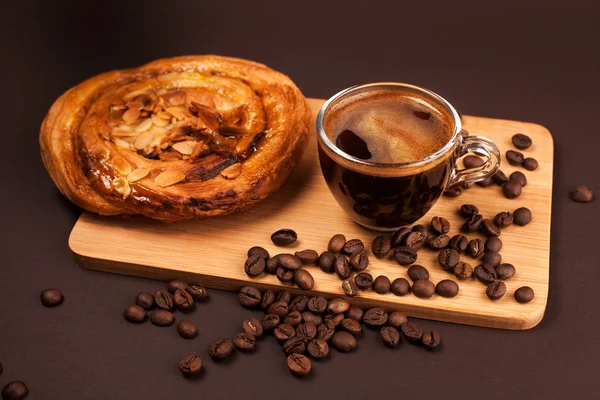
(284, 332)
(521, 141)
(284, 275)
(335, 319)
(489, 229)
(349, 287)
(400, 236)
(135, 314)
(162, 318)
(476, 248)
(326, 260)
(336, 243)
(318, 348)
(198, 292)
(463, 271)
(352, 246)
(438, 242)
(289, 261)
(468, 210)
(284, 237)
(440, 225)
(145, 300)
(244, 341)
(522, 216)
(294, 318)
(415, 240)
(496, 290)
(519, 177)
(396, 319)
(448, 258)
(304, 279)
(505, 271)
(364, 280)
(491, 259)
(187, 329)
(431, 340)
(249, 297)
(284, 296)
(325, 331)
(511, 189)
(454, 191)
(173, 285)
(473, 223)
(412, 331)
(459, 243)
(338, 305)
(446, 288)
(503, 219)
(279, 308)
(359, 261)
(418, 272)
(400, 287)
(272, 264)
(259, 251)
(343, 341)
(307, 256)
(15, 390)
(514, 157)
(524, 294)
(423, 288)
(52, 297)
(190, 365)
(268, 298)
(472, 161)
(342, 267)
(270, 322)
(375, 316)
(390, 336)
(164, 300)
(351, 326)
(354, 313)
(296, 344)
(220, 349)
(485, 182)
(530, 164)
(298, 303)
(251, 326)
(308, 316)
(405, 255)
(317, 304)
(582, 194)
(299, 365)
(493, 244)
(183, 300)
(485, 274)
(381, 246)
(499, 178)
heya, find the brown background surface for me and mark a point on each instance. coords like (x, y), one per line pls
(534, 61)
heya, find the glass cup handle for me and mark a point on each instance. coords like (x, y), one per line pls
(484, 148)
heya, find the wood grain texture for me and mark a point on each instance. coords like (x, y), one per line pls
(213, 251)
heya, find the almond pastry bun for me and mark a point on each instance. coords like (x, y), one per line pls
(176, 139)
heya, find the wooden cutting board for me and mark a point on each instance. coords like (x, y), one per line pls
(213, 251)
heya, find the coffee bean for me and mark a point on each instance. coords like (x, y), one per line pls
(299, 365)
(468, 210)
(220, 349)
(505, 271)
(308, 316)
(491, 259)
(423, 288)
(190, 365)
(476, 248)
(530, 164)
(418, 272)
(304, 280)
(511, 189)
(164, 300)
(420, 228)
(270, 322)
(503, 219)
(397, 319)
(440, 225)
(448, 258)
(473, 223)
(431, 340)
(485, 182)
(454, 191)
(284, 332)
(52, 297)
(173, 285)
(284, 275)
(364, 280)
(524, 294)
(485, 274)
(352, 246)
(522, 216)
(162, 318)
(15, 390)
(325, 331)
(326, 260)
(489, 229)
(249, 296)
(289, 261)
(335, 319)
(308, 330)
(381, 246)
(187, 329)
(284, 237)
(375, 316)
(390, 336)
(458, 243)
(438, 242)
(416, 240)
(338, 305)
(145, 300)
(336, 243)
(472, 161)
(244, 341)
(343, 341)
(521, 141)
(135, 314)
(349, 287)
(296, 344)
(284, 296)
(259, 251)
(317, 304)
(183, 300)
(400, 287)
(405, 255)
(342, 267)
(412, 331)
(359, 261)
(298, 303)
(499, 178)
(399, 236)
(514, 157)
(198, 292)
(446, 288)
(354, 313)
(307, 256)
(272, 264)
(496, 290)
(519, 177)
(294, 318)
(279, 308)
(318, 349)
(251, 326)
(268, 298)
(463, 271)
(382, 284)
(582, 194)
(254, 266)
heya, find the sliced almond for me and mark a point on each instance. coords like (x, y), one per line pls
(170, 156)
(198, 149)
(122, 143)
(121, 186)
(164, 115)
(175, 97)
(177, 112)
(121, 165)
(122, 133)
(144, 140)
(132, 95)
(144, 125)
(186, 148)
(169, 177)
(156, 120)
(138, 174)
(131, 115)
(232, 172)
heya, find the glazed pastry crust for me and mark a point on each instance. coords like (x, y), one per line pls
(223, 133)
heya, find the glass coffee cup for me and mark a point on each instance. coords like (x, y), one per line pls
(402, 157)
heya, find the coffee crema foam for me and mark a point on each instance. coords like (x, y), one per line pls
(396, 127)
